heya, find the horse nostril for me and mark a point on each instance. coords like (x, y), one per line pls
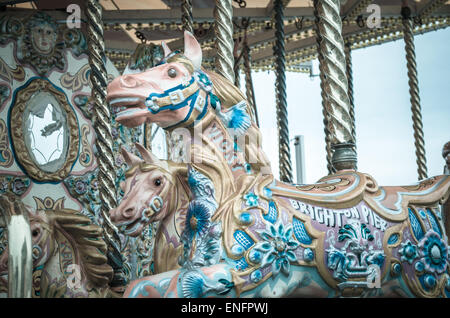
(128, 81)
(128, 213)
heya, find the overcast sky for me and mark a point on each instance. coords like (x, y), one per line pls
(385, 142)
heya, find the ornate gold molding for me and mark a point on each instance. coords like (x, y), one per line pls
(6, 157)
(86, 154)
(18, 138)
(77, 81)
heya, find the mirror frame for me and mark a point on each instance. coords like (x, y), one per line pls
(17, 134)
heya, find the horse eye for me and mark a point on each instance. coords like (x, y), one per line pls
(35, 233)
(157, 182)
(172, 72)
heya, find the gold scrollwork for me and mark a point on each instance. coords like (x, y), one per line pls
(77, 81)
(86, 152)
(325, 186)
(6, 157)
(49, 204)
(17, 132)
(9, 73)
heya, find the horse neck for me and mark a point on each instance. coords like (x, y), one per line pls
(178, 201)
(217, 157)
(66, 261)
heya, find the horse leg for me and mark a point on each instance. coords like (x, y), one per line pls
(205, 281)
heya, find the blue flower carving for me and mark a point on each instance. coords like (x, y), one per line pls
(251, 199)
(434, 252)
(408, 252)
(277, 246)
(197, 219)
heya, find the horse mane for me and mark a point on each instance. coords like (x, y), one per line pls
(229, 95)
(88, 241)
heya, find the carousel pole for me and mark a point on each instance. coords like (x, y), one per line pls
(223, 29)
(249, 90)
(335, 100)
(186, 16)
(102, 126)
(414, 92)
(349, 72)
(280, 89)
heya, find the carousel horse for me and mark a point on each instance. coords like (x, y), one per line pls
(69, 255)
(228, 228)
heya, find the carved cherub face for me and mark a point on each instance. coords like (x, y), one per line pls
(43, 38)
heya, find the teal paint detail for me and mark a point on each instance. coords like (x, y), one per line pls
(237, 250)
(396, 269)
(255, 256)
(422, 214)
(308, 255)
(393, 239)
(272, 214)
(251, 199)
(241, 264)
(419, 267)
(415, 225)
(246, 218)
(244, 239)
(268, 192)
(300, 232)
(277, 245)
(408, 252)
(435, 253)
(256, 276)
(434, 223)
(140, 289)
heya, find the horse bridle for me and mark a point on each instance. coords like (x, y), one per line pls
(152, 209)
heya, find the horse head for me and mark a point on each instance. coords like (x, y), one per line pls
(159, 94)
(71, 238)
(43, 247)
(150, 191)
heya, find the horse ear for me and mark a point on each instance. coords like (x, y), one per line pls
(166, 49)
(130, 159)
(147, 155)
(151, 158)
(192, 50)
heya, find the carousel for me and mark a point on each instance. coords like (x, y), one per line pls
(131, 161)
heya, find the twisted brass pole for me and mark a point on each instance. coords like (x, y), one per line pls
(102, 125)
(349, 72)
(334, 83)
(223, 29)
(249, 90)
(414, 92)
(186, 16)
(280, 90)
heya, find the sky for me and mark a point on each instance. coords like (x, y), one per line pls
(384, 133)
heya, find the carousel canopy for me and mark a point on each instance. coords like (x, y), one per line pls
(158, 20)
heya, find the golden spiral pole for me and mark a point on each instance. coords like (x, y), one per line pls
(223, 29)
(334, 83)
(414, 92)
(349, 72)
(186, 16)
(249, 90)
(280, 89)
(102, 125)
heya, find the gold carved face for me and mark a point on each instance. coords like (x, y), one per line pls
(43, 38)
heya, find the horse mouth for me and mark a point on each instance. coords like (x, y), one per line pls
(130, 111)
(131, 228)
